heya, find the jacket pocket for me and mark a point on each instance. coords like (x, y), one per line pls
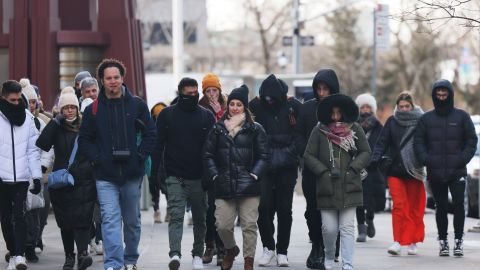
(325, 184)
(353, 183)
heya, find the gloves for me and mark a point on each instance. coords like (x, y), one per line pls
(59, 118)
(44, 169)
(37, 187)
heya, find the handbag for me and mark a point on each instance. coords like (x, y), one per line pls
(62, 178)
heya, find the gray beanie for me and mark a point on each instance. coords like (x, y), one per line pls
(80, 76)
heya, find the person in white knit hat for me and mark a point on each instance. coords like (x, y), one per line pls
(373, 185)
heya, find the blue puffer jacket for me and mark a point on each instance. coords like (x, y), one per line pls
(114, 126)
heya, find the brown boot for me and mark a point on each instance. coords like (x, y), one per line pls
(210, 251)
(248, 263)
(229, 258)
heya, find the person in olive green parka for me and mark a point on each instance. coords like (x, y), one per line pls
(336, 153)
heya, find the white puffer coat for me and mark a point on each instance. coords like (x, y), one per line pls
(19, 156)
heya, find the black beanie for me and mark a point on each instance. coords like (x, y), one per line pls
(240, 93)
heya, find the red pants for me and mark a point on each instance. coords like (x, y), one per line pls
(408, 196)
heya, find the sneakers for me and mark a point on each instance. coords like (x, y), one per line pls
(30, 254)
(412, 249)
(444, 249)
(130, 267)
(92, 246)
(328, 264)
(267, 257)
(282, 260)
(99, 248)
(197, 263)
(39, 247)
(174, 263)
(156, 217)
(20, 263)
(458, 248)
(11, 264)
(395, 249)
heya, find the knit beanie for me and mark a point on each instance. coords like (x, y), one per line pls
(367, 99)
(240, 93)
(80, 76)
(67, 97)
(28, 90)
(211, 80)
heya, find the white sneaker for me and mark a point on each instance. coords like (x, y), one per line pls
(92, 246)
(11, 264)
(395, 249)
(99, 248)
(282, 260)
(267, 257)
(412, 249)
(110, 268)
(174, 263)
(328, 264)
(197, 263)
(20, 263)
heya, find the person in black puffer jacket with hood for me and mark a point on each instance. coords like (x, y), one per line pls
(235, 157)
(445, 141)
(325, 83)
(277, 113)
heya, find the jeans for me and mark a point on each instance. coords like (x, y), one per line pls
(312, 214)
(440, 194)
(277, 196)
(181, 192)
(13, 208)
(117, 204)
(333, 222)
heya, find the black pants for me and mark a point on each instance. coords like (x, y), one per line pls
(440, 194)
(14, 226)
(277, 196)
(32, 218)
(312, 214)
(43, 213)
(212, 234)
(367, 210)
(80, 236)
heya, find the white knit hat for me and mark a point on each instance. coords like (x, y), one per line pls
(367, 99)
(67, 97)
(28, 90)
(85, 103)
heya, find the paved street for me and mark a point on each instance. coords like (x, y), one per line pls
(369, 255)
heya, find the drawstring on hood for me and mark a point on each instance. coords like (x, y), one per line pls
(443, 107)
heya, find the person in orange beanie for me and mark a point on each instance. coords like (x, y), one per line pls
(213, 99)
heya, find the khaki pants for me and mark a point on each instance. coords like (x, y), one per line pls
(226, 212)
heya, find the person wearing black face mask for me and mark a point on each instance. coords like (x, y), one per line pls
(373, 185)
(182, 130)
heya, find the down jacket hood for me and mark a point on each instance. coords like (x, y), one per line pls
(443, 107)
(274, 88)
(329, 77)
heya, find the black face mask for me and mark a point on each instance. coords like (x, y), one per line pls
(365, 115)
(187, 102)
(15, 113)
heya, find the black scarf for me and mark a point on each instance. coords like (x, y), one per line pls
(368, 121)
(188, 103)
(16, 114)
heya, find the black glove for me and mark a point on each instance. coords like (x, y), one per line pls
(37, 186)
(59, 118)
(44, 169)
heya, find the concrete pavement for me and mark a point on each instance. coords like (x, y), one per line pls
(370, 255)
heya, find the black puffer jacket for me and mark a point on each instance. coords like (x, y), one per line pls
(445, 139)
(279, 120)
(233, 159)
(73, 206)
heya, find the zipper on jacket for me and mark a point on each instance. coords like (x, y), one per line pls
(13, 156)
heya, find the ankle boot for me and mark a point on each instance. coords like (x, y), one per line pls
(248, 263)
(210, 251)
(84, 261)
(69, 261)
(362, 233)
(370, 228)
(314, 259)
(229, 258)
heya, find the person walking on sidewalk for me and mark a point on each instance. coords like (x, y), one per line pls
(20, 160)
(236, 155)
(373, 185)
(325, 83)
(182, 130)
(395, 157)
(216, 102)
(445, 141)
(337, 152)
(108, 138)
(277, 113)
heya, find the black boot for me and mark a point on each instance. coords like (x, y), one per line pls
(84, 261)
(69, 262)
(30, 254)
(314, 259)
(362, 233)
(370, 228)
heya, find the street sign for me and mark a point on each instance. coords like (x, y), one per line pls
(382, 29)
(287, 41)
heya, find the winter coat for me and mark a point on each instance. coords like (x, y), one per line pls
(114, 127)
(73, 206)
(345, 191)
(279, 122)
(445, 139)
(233, 159)
(19, 156)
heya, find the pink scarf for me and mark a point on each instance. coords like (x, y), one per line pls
(341, 134)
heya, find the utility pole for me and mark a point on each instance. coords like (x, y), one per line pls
(374, 54)
(177, 39)
(296, 38)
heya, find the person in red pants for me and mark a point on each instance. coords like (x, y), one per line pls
(395, 157)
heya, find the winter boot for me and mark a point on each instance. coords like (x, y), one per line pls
(210, 251)
(229, 258)
(370, 228)
(30, 254)
(248, 263)
(220, 255)
(362, 233)
(69, 262)
(314, 260)
(84, 261)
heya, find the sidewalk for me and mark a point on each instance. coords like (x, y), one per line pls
(370, 255)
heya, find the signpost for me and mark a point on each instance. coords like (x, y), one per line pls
(381, 39)
(287, 41)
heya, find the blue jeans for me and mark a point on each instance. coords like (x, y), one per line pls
(117, 203)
